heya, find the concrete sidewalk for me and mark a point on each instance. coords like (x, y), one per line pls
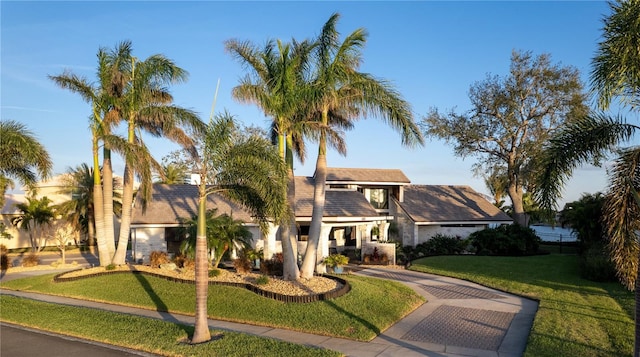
(459, 319)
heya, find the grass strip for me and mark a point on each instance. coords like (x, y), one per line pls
(143, 334)
(370, 307)
(576, 317)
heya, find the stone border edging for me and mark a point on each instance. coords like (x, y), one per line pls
(264, 293)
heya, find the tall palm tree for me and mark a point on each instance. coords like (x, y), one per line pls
(78, 184)
(247, 170)
(340, 95)
(22, 157)
(94, 95)
(36, 214)
(146, 104)
(615, 75)
(276, 83)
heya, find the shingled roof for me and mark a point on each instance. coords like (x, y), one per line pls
(440, 203)
(366, 175)
(342, 203)
(171, 204)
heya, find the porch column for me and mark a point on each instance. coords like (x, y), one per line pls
(384, 231)
(269, 242)
(415, 235)
(323, 248)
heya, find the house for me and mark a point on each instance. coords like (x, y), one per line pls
(364, 209)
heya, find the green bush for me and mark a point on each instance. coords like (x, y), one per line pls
(596, 265)
(441, 244)
(110, 267)
(262, 280)
(509, 240)
(214, 272)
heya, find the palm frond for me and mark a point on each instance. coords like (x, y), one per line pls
(577, 143)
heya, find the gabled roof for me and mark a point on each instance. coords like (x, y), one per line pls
(171, 204)
(337, 203)
(440, 203)
(350, 175)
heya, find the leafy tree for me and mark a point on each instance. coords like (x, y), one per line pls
(615, 75)
(22, 157)
(340, 94)
(244, 169)
(36, 215)
(511, 118)
(276, 83)
(584, 217)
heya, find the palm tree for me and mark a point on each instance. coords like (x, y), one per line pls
(276, 83)
(247, 170)
(78, 184)
(172, 174)
(96, 97)
(22, 157)
(223, 233)
(615, 74)
(340, 95)
(146, 104)
(36, 214)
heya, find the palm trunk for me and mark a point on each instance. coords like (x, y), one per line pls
(125, 221)
(311, 255)
(636, 350)
(201, 333)
(290, 269)
(98, 208)
(107, 176)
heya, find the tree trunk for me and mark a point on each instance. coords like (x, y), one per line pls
(107, 179)
(515, 193)
(201, 333)
(288, 239)
(636, 350)
(125, 221)
(98, 208)
(311, 254)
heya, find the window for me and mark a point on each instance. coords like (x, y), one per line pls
(174, 237)
(379, 198)
(303, 233)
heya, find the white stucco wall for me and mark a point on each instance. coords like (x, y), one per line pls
(146, 240)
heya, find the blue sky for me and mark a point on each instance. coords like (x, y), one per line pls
(431, 51)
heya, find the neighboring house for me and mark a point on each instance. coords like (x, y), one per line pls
(357, 200)
(50, 188)
(19, 237)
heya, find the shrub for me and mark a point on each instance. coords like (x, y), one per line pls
(214, 272)
(262, 280)
(183, 261)
(512, 240)
(157, 258)
(4, 249)
(441, 244)
(596, 265)
(243, 264)
(273, 266)
(30, 260)
(4, 261)
(336, 260)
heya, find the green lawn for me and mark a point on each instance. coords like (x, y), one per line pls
(372, 305)
(576, 317)
(143, 334)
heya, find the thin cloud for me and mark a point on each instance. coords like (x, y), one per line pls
(27, 109)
